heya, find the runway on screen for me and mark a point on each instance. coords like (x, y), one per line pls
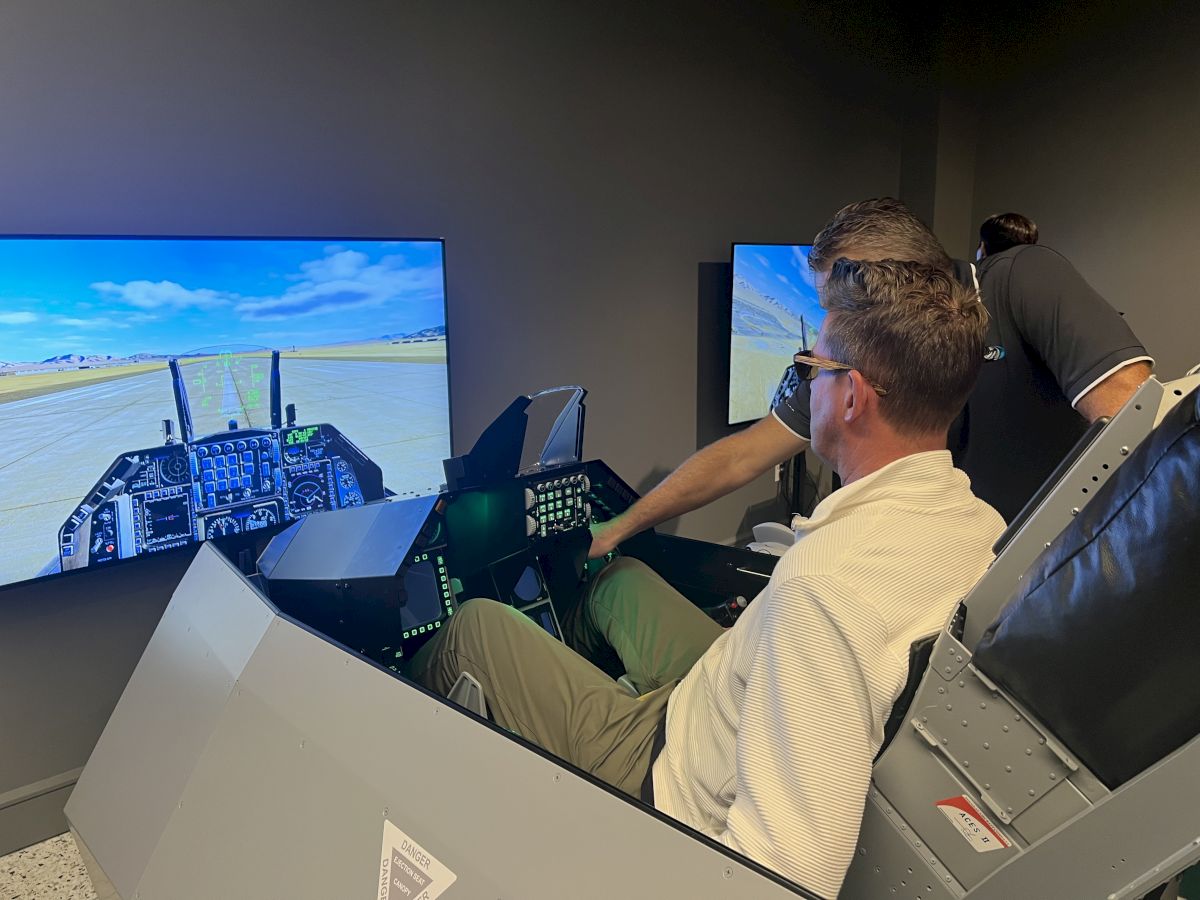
(54, 447)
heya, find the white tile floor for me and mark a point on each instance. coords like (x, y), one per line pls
(51, 870)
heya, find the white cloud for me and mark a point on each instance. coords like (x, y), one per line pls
(339, 265)
(17, 318)
(762, 259)
(783, 278)
(162, 295)
(798, 259)
(341, 281)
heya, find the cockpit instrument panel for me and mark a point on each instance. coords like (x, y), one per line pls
(556, 502)
(228, 483)
(233, 482)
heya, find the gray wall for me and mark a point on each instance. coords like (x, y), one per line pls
(1097, 142)
(954, 187)
(582, 161)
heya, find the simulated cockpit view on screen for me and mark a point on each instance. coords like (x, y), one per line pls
(160, 392)
(775, 314)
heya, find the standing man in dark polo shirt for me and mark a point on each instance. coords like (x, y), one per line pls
(1065, 359)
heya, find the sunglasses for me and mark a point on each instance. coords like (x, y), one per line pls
(809, 367)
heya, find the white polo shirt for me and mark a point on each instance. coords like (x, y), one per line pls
(771, 735)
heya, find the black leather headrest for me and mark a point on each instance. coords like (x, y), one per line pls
(1102, 641)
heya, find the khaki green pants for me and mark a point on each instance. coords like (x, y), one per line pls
(541, 689)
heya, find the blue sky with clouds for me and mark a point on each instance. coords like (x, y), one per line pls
(119, 297)
(780, 271)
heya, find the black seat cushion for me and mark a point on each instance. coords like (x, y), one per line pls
(1102, 640)
(919, 653)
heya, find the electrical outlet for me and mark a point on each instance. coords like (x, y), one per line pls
(779, 472)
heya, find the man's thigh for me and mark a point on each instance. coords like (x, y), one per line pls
(657, 633)
(544, 691)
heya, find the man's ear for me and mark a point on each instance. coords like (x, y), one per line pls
(859, 396)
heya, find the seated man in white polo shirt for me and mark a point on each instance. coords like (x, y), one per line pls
(762, 736)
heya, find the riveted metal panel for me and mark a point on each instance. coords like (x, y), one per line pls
(893, 861)
(993, 745)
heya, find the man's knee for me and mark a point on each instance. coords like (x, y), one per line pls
(621, 574)
(624, 566)
(625, 578)
(475, 617)
(438, 664)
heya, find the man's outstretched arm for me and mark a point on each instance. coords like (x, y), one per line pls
(1107, 398)
(707, 474)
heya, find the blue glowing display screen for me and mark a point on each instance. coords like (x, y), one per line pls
(774, 314)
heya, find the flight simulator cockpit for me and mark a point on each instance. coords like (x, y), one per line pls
(269, 743)
(513, 525)
(239, 480)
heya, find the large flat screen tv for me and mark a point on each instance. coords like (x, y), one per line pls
(158, 392)
(774, 313)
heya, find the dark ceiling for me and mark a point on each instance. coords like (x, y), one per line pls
(974, 45)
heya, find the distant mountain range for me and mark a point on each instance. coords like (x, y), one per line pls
(75, 359)
(96, 360)
(439, 331)
(761, 315)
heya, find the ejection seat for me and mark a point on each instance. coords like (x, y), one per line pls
(1052, 751)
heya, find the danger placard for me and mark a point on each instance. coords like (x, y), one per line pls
(981, 834)
(407, 871)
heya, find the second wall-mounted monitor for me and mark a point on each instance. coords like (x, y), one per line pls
(294, 376)
(774, 313)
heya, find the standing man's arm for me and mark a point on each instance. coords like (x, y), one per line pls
(1106, 398)
(1096, 358)
(707, 474)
